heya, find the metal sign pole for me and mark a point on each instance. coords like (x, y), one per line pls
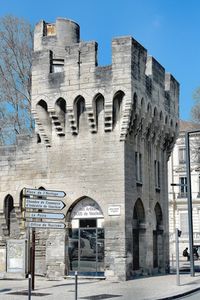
(33, 259)
(29, 286)
(189, 196)
(76, 285)
(177, 258)
(28, 251)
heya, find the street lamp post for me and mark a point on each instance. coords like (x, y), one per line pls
(189, 198)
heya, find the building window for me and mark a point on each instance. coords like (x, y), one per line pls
(50, 29)
(184, 222)
(198, 195)
(182, 155)
(196, 155)
(57, 65)
(183, 187)
(138, 167)
(157, 174)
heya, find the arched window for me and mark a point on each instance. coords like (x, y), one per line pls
(80, 108)
(59, 117)
(138, 213)
(158, 214)
(99, 110)
(8, 207)
(60, 105)
(43, 115)
(42, 104)
(135, 102)
(117, 107)
(149, 110)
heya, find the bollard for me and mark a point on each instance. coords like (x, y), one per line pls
(29, 286)
(76, 285)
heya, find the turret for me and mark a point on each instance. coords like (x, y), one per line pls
(63, 32)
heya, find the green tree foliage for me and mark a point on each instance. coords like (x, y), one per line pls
(16, 43)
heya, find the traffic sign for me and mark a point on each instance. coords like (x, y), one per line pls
(53, 225)
(43, 193)
(44, 215)
(44, 204)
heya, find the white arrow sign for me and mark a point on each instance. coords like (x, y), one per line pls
(44, 215)
(45, 225)
(44, 204)
(44, 193)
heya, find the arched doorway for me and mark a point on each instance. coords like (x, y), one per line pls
(86, 239)
(138, 235)
(157, 237)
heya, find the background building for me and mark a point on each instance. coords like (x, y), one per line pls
(103, 136)
(178, 205)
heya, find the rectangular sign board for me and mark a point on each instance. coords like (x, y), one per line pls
(45, 225)
(16, 255)
(43, 193)
(43, 215)
(44, 204)
(114, 210)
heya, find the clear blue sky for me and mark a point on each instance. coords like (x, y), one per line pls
(168, 29)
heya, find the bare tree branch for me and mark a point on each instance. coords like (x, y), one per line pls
(16, 43)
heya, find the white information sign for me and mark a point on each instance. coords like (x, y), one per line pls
(86, 208)
(114, 210)
(53, 225)
(44, 204)
(16, 253)
(44, 215)
(44, 193)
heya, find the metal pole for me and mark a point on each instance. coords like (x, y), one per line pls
(29, 286)
(177, 259)
(29, 253)
(33, 259)
(76, 285)
(189, 197)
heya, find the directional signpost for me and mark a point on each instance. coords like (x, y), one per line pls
(53, 225)
(36, 199)
(44, 193)
(44, 204)
(44, 215)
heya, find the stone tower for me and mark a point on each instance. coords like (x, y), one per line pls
(103, 136)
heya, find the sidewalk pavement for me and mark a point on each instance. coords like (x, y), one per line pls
(149, 288)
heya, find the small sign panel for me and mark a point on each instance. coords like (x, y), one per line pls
(44, 193)
(45, 225)
(44, 204)
(114, 210)
(44, 215)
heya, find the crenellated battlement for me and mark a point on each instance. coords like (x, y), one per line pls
(66, 68)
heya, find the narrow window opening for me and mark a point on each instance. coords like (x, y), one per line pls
(57, 65)
(138, 167)
(157, 174)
